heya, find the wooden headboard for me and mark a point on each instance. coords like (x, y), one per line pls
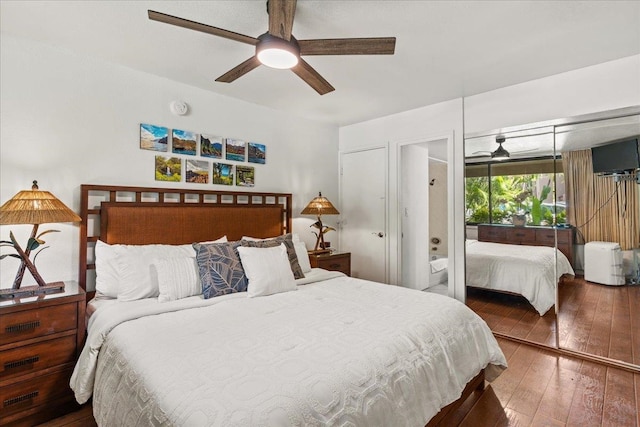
(141, 215)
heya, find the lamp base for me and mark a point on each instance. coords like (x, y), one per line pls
(27, 291)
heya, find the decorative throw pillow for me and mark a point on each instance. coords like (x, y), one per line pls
(267, 269)
(220, 269)
(177, 278)
(287, 239)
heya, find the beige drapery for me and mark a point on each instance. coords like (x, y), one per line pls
(617, 221)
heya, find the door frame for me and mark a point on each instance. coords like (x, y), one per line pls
(385, 148)
(453, 228)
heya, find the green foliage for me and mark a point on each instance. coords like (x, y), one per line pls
(510, 195)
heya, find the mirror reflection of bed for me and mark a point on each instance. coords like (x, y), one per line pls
(592, 318)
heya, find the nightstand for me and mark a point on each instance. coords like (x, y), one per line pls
(40, 338)
(337, 261)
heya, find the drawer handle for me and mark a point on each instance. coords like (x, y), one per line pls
(19, 399)
(520, 234)
(334, 265)
(21, 327)
(17, 363)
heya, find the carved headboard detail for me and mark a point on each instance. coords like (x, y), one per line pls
(142, 215)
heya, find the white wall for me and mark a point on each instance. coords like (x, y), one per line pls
(438, 214)
(68, 120)
(438, 121)
(607, 86)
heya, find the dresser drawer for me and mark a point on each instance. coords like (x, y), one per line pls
(492, 234)
(546, 237)
(521, 235)
(34, 357)
(34, 392)
(22, 325)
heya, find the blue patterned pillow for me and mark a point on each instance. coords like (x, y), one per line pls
(220, 269)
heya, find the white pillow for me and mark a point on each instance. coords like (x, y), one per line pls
(267, 269)
(303, 256)
(107, 277)
(124, 271)
(177, 278)
(137, 281)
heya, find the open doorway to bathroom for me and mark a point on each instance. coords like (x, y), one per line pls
(423, 217)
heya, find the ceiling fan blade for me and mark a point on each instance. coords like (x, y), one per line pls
(239, 70)
(281, 14)
(192, 25)
(487, 153)
(362, 46)
(311, 76)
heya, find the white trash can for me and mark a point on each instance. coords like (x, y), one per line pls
(603, 263)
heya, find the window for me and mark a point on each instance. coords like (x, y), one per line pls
(496, 193)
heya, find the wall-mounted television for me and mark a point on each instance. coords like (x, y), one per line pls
(616, 157)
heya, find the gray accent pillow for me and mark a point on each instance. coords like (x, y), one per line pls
(220, 268)
(287, 239)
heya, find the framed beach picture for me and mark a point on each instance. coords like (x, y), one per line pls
(196, 171)
(168, 169)
(235, 149)
(257, 153)
(245, 176)
(211, 146)
(222, 174)
(184, 142)
(153, 137)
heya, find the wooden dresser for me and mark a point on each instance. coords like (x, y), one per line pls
(40, 338)
(529, 235)
(337, 261)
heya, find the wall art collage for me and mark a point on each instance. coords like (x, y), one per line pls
(202, 147)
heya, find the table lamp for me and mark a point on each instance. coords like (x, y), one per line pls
(32, 207)
(320, 206)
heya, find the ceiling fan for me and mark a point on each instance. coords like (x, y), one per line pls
(499, 153)
(278, 48)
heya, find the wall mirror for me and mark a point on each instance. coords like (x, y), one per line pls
(545, 195)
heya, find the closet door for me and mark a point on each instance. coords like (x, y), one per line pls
(363, 207)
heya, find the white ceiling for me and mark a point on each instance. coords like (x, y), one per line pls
(444, 49)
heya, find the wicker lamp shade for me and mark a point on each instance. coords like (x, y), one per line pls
(320, 206)
(35, 207)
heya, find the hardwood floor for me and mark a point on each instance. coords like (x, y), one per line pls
(513, 315)
(81, 418)
(601, 320)
(543, 388)
(540, 388)
(592, 318)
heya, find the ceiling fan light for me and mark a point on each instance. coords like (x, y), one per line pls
(500, 154)
(277, 58)
(275, 52)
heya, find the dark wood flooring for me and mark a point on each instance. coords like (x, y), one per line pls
(592, 318)
(599, 319)
(540, 388)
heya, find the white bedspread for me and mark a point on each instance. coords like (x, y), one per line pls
(338, 352)
(524, 270)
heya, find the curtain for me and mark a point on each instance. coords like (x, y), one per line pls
(599, 208)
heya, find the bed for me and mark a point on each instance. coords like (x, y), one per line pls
(331, 350)
(524, 270)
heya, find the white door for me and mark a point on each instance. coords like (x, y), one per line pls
(363, 207)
